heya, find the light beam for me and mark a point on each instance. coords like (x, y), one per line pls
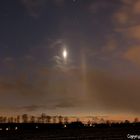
(65, 54)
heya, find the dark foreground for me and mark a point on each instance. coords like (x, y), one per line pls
(84, 133)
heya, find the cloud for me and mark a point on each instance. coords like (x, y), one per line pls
(126, 19)
(130, 32)
(133, 32)
(58, 43)
(32, 108)
(34, 7)
(111, 45)
(98, 91)
(6, 86)
(121, 17)
(94, 91)
(59, 3)
(20, 85)
(66, 104)
(8, 59)
(9, 63)
(127, 12)
(115, 94)
(98, 6)
(136, 7)
(28, 57)
(57, 46)
(127, 24)
(133, 55)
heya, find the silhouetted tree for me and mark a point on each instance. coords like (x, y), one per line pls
(18, 119)
(102, 120)
(25, 118)
(54, 119)
(60, 119)
(136, 120)
(66, 121)
(38, 119)
(10, 120)
(4, 119)
(89, 123)
(15, 120)
(108, 122)
(127, 121)
(43, 117)
(1, 119)
(95, 119)
(48, 119)
(32, 119)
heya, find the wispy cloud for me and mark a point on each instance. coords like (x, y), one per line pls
(132, 55)
(66, 104)
(114, 93)
(99, 6)
(32, 108)
(59, 3)
(34, 7)
(126, 19)
(104, 92)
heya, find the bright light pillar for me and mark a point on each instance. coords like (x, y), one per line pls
(65, 54)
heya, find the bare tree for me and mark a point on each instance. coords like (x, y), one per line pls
(25, 118)
(18, 119)
(43, 117)
(32, 119)
(1, 119)
(102, 120)
(38, 119)
(95, 119)
(10, 120)
(66, 120)
(136, 120)
(48, 119)
(60, 119)
(4, 119)
(15, 120)
(89, 123)
(127, 121)
(54, 119)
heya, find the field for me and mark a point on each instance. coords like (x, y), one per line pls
(110, 133)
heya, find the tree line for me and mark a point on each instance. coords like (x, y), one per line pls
(43, 118)
(25, 118)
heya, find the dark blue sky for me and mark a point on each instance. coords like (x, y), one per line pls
(25, 26)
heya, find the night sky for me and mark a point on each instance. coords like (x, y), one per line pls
(100, 72)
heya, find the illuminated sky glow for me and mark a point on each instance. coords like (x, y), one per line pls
(68, 57)
(65, 53)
